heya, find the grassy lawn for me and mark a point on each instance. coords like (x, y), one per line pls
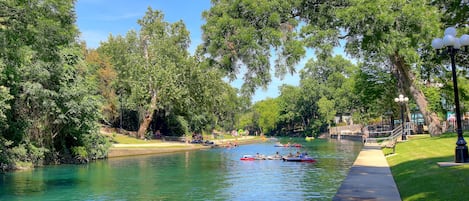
(125, 139)
(417, 174)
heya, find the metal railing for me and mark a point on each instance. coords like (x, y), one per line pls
(395, 135)
(346, 130)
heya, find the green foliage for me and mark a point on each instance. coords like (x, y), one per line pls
(372, 90)
(96, 146)
(393, 35)
(248, 120)
(36, 154)
(433, 96)
(155, 73)
(5, 156)
(244, 31)
(177, 125)
(80, 154)
(4, 106)
(5, 96)
(184, 125)
(45, 86)
(103, 74)
(326, 109)
(24, 155)
(19, 153)
(268, 113)
(290, 105)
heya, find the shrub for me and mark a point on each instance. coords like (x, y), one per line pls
(80, 154)
(96, 145)
(5, 156)
(36, 154)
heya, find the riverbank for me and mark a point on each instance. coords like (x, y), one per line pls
(121, 150)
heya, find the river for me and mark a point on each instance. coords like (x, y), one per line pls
(214, 174)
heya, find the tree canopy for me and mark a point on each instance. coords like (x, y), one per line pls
(51, 114)
(386, 33)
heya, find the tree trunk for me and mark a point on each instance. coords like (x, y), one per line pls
(148, 117)
(407, 80)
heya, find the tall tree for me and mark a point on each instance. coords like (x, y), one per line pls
(268, 111)
(290, 106)
(104, 74)
(44, 73)
(151, 64)
(387, 32)
(394, 36)
(326, 110)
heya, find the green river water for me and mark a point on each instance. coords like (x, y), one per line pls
(214, 174)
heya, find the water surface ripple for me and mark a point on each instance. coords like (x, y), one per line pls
(215, 174)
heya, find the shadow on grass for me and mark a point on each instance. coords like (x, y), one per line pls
(423, 179)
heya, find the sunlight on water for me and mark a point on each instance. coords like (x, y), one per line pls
(215, 174)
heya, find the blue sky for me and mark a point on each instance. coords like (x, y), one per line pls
(97, 19)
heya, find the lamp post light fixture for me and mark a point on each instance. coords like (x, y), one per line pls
(453, 45)
(402, 101)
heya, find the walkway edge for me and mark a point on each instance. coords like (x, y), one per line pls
(369, 178)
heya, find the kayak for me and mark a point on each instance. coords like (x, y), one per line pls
(299, 159)
(248, 158)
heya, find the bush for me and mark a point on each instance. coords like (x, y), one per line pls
(25, 155)
(5, 156)
(80, 154)
(96, 145)
(19, 153)
(178, 125)
(36, 154)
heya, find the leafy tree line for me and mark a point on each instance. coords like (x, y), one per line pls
(169, 89)
(55, 93)
(388, 37)
(328, 87)
(49, 103)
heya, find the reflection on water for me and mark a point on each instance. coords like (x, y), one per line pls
(215, 174)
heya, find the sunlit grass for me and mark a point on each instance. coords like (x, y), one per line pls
(417, 174)
(125, 139)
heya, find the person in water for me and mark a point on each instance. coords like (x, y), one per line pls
(258, 156)
(298, 154)
(277, 155)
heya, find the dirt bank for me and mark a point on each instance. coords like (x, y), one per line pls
(120, 150)
(132, 151)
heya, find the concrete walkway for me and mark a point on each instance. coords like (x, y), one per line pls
(369, 178)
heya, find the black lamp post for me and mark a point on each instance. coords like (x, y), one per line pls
(402, 101)
(452, 45)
